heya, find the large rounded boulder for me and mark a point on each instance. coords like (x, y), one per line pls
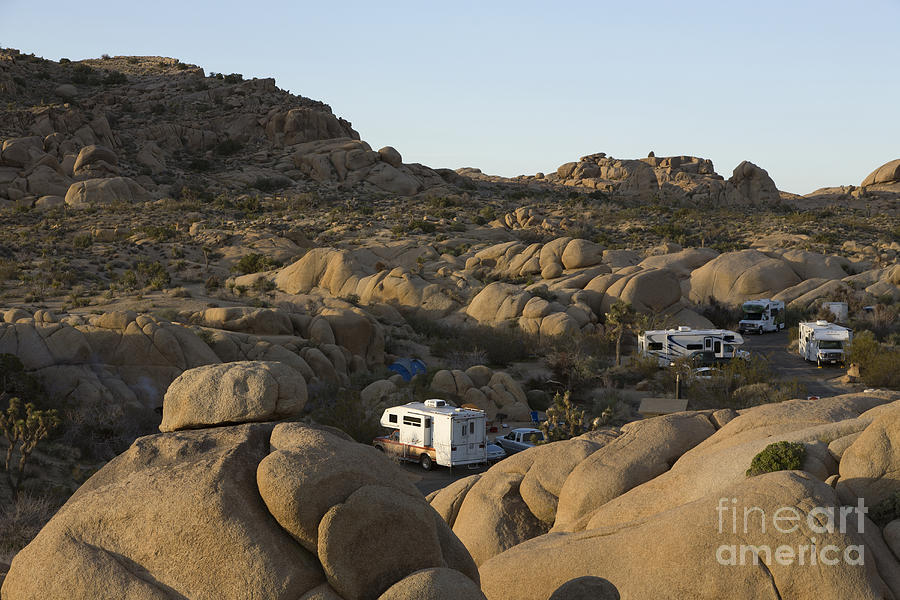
(236, 392)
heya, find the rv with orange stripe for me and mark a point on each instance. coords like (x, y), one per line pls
(433, 432)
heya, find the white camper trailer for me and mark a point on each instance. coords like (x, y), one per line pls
(706, 346)
(824, 343)
(434, 432)
(761, 316)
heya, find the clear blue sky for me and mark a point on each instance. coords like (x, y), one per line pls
(807, 90)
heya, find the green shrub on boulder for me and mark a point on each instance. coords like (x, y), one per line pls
(780, 456)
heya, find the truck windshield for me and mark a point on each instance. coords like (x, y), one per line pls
(830, 345)
(753, 316)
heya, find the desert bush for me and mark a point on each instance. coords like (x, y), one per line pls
(886, 511)
(9, 269)
(574, 366)
(228, 146)
(345, 410)
(879, 364)
(254, 263)
(721, 315)
(607, 408)
(234, 78)
(83, 74)
(21, 520)
(15, 381)
(268, 184)
(152, 275)
(780, 456)
(500, 345)
(82, 240)
(115, 78)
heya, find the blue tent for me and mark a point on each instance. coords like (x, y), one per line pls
(408, 367)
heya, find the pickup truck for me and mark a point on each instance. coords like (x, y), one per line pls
(520, 439)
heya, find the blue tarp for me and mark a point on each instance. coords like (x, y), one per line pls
(408, 367)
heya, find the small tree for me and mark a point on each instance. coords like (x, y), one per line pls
(22, 433)
(564, 419)
(620, 319)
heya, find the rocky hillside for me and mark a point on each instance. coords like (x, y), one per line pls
(135, 128)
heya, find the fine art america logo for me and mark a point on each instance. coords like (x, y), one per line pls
(786, 520)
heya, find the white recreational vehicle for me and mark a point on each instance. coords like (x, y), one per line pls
(761, 316)
(433, 432)
(824, 342)
(704, 345)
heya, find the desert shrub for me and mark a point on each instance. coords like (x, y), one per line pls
(15, 381)
(159, 233)
(263, 285)
(115, 78)
(254, 263)
(21, 520)
(83, 240)
(721, 315)
(780, 456)
(638, 368)
(199, 164)
(234, 78)
(228, 146)
(500, 345)
(883, 371)
(345, 410)
(153, 275)
(575, 365)
(541, 291)
(9, 269)
(213, 283)
(83, 74)
(886, 511)
(879, 365)
(268, 184)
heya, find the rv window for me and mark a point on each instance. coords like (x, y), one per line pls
(718, 347)
(392, 418)
(462, 430)
(656, 345)
(427, 423)
(694, 346)
(472, 427)
(414, 421)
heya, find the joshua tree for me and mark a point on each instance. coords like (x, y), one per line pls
(22, 433)
(620, 319)
(564, 419)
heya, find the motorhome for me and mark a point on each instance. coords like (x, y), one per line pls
(824, 343)
(705, 346)
(433, 432)
(761, 316)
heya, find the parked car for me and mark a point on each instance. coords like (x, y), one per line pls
(520, 439)
(495, 453)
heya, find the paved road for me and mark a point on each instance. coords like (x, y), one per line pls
(791, 366)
